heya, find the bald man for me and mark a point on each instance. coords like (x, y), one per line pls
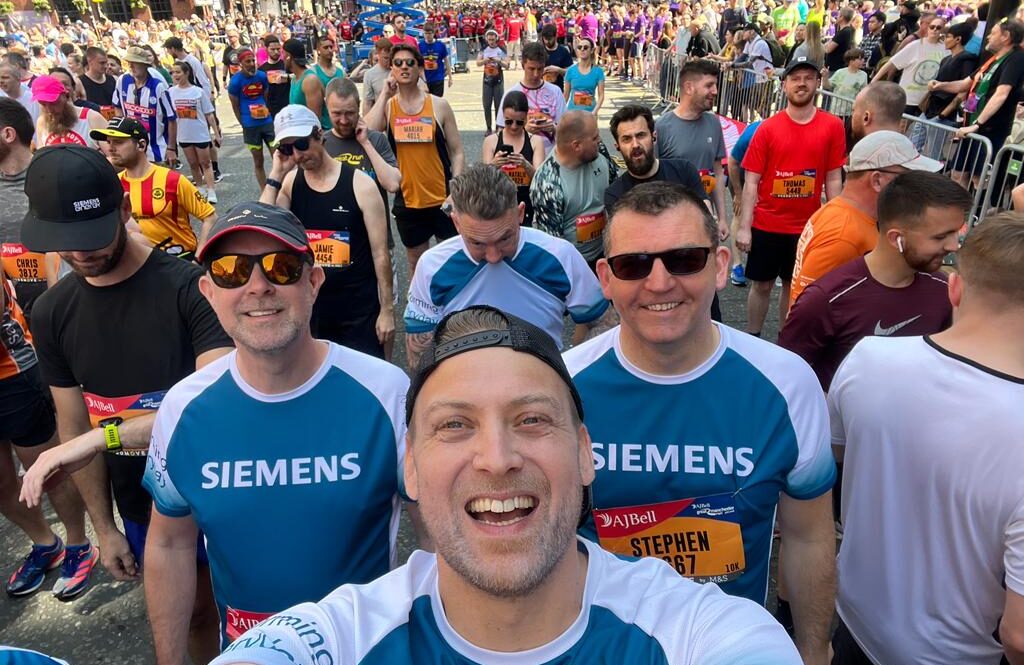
(878, 106)
(567, 191)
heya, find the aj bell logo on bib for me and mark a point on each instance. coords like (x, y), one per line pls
(87, 204)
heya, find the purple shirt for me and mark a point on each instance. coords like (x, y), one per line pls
(641, 25)
(658, 26)
(847, 305)
(616, 25)
(588, 26)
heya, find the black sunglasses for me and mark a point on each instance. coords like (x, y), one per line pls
(515, 123)
(682, 261)
(297, 144)
(232, 271)
(403, 62)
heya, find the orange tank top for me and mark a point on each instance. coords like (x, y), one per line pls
(418, 143)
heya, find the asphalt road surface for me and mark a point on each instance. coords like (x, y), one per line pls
(107, 624)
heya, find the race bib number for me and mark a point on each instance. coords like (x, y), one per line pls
(589, 227)
(701, 538)
(331, 249)
(517, 174)
(550, 77)
(259, 112)
(186, 112)
(239, 621)
(108, 111)
(414, 130)
(616, 34)
(794, 185)
(581, 98)
(21, 265)
(707, 178)
(277, 76)
(103, 409)
(430, 63)
(537, 117)
(491, 69)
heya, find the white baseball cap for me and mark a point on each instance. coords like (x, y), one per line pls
(295, 121)
(885, 148)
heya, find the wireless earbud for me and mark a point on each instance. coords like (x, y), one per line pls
(899, 243)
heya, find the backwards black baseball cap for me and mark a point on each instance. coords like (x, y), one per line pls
(74, 198)
(520, 336)
(296, 49)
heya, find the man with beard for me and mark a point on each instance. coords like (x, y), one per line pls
(230, 58)
(248, 92)
(112, 338)
(342, 211)
(896, 289)
(633, 129)
(692, 132)
(162, 200)
(500, 469)
(568, 189)
(793, 156)
(60, 121)
(559, 59)
(277, 75)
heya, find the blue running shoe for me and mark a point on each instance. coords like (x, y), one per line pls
(737, 277)
(79, 561)
(32, 571)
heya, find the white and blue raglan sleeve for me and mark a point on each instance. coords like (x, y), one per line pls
(736, 631)
(302, 635)
(157, 478)
(815, 470)
(586, 302)
(421, 313)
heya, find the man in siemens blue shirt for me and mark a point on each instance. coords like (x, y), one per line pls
(286, 453)
(495, 261)
(435, 61)
(498, 460)
(682, 474)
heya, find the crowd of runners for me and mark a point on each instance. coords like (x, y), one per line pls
(596, 468)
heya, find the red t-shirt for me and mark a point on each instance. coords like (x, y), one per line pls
(793, 160)
(481, 24)
(407, 39)
(560, 27)
(515, 29)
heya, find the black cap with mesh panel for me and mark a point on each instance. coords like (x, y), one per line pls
(521, 336)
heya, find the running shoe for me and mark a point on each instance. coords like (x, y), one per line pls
(74, 574)
(217, 176)
(32, 571)
(737, 277)
(211, 196)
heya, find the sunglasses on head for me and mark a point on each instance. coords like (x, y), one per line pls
(297, 144)
(403, 62)
(682, 261)
(232, 271)
(515, 123)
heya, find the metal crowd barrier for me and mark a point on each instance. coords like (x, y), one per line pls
(747, 96)
(458, 52)
(1007, 173)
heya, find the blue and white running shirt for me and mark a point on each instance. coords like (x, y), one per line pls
(689, 468)
(295, 492)
(632, 612)
(546, 278)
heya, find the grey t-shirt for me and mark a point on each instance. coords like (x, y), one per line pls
(373, 83)
(350, 152)
(699, 142)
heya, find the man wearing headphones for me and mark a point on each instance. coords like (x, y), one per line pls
(162, 199)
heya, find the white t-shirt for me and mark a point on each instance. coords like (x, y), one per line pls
(933, 501)
(919, 63)
(191, 105)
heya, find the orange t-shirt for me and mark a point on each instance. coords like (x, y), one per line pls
(838, 233)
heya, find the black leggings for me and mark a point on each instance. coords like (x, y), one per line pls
(493, 92)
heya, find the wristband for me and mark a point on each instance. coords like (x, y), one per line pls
(111, 437)
(276, 184)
